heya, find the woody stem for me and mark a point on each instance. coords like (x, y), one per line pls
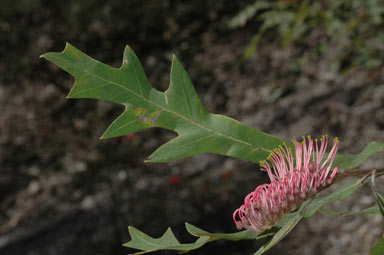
(357, 172)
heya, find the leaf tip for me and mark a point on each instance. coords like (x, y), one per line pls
(67, 46)
(175, 59)
(127, 52)
(127, 48)
(49, 54)
(151, 160)
(105, 135)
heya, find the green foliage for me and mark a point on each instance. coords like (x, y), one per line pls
(378, 249)
(282, 228)
(308, 209)
(378, 196)
(242, 235)
(370, 210)
(351, 26)
(167, 241)
(178, 109)
(293, 219)
(349, 161)
(343, 192)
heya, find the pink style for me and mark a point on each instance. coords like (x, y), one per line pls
(290, 185)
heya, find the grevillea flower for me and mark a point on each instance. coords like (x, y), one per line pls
(292, 182)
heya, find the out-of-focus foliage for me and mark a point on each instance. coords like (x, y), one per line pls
(379, 247)
(379, 198)
(179, 109)
(351, 29)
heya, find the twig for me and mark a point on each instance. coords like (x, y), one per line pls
(366, 173)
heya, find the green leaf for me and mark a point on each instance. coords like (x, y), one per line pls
(178, 109)
(290, 223)
(378, 249)
(308, 209)
(379, 198)
(279, 231)
(242, 235)
(167, 241)
(349, 161)
(284, 226)
(370, 210)
(343, 192)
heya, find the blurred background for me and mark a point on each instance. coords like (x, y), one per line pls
(289, 68)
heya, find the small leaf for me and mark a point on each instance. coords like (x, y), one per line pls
(242, 235)
(370, 210)
(349, 161)
(379, 198)
(378, 249)
(284, 226)
(167, 241)
(178, 109)
(343, 192)
(293, 219)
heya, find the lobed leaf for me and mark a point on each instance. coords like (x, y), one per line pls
(178, 108)
(242, 235)
(167, 241)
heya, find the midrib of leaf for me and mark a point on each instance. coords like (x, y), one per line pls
(214, 132)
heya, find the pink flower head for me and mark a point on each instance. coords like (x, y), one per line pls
(292, 182)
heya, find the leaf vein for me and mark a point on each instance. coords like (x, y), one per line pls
(74, 65)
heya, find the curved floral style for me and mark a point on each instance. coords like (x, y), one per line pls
(291, 184)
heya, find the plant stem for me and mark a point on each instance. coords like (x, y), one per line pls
(366, 173)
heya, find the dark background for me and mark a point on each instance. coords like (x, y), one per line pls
(64, 191)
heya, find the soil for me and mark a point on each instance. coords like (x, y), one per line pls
(64, 191)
